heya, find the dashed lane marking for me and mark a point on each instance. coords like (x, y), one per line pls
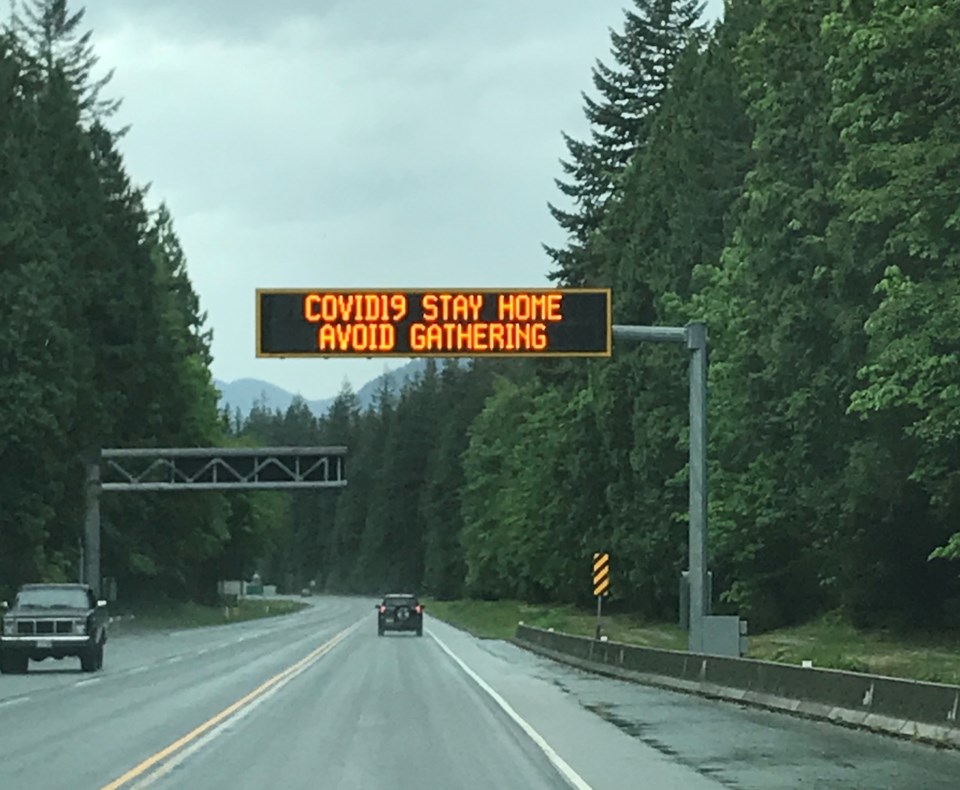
(161, 763)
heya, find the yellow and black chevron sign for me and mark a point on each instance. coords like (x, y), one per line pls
(601, 574)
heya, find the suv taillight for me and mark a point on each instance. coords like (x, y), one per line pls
(419, 609)
(382, 608)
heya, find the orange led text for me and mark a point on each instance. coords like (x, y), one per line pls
(529, 307)
(477, 337)
(340, 308)
(357, 337)
(452, 307)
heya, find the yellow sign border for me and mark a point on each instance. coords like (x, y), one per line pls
(442, 355)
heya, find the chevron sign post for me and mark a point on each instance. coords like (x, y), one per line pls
(601, 582)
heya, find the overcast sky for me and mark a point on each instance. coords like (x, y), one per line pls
(350, 143)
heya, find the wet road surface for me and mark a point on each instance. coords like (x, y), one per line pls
(316, 699)
(749, 748)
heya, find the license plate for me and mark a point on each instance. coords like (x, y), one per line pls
(44, 643)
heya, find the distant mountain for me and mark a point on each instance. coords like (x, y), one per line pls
(242, 394)
(368, 392)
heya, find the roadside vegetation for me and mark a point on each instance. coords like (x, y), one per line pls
(174, 615)
(789, 176)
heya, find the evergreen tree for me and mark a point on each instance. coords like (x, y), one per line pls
(789, 177)
(340, 427)
(644, 53)
(58, 46)
(40, 378)
(463, 392)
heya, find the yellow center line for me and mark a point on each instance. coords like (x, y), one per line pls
(195, 733)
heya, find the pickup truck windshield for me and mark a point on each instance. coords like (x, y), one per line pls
(52, 598)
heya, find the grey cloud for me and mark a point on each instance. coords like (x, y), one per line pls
(412, 21)
(353, 143)
(239, 20)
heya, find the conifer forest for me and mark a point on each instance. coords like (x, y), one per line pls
(789, 175)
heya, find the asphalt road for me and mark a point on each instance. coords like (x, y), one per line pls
(317, 700)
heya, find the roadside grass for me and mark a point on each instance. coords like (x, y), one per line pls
(828, 642)
(177, 615)
(498, 620)
(833, 643)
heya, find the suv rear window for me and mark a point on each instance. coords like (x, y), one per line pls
(400, 600)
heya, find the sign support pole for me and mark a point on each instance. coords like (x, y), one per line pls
(694, 337)
(91, 528)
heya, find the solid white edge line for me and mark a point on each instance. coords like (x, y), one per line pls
(566, 771)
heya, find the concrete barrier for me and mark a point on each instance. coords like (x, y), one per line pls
(907, 708)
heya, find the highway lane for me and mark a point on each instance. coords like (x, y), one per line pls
(391, 712)
(131, 651)
(400, 712)
(63, 728)
(313, 703)
(345, 709)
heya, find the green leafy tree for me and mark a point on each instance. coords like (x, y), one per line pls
(487, 511)
(778, 363)
(896, 110)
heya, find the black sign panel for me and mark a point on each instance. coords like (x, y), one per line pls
(557, 322)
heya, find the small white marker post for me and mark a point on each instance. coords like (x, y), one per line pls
(599, 610)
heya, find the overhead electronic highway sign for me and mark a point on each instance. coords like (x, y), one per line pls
(480, 322)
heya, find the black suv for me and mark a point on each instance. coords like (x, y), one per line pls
(53, 621)
(400, 612)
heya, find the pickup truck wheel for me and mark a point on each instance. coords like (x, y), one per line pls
(14, 664)
(92, 659)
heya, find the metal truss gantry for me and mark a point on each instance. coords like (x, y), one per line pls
(222, 468)
(202, 469)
